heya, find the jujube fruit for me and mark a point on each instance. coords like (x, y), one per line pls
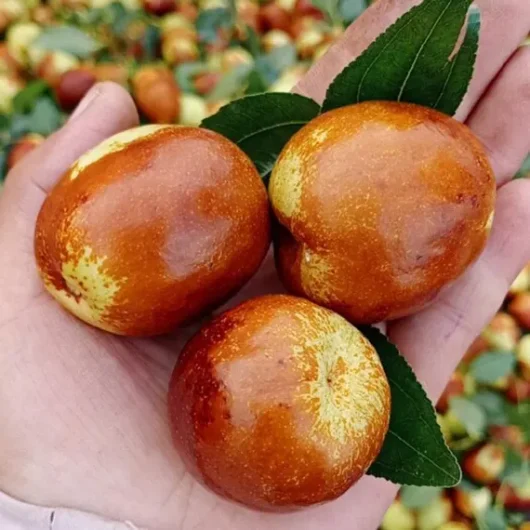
(152, 228)
(279, 404)
(380, 205)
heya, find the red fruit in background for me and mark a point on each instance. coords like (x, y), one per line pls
(159, 7)
(157, 94)
(204, 83)
(516, 499)
(454, 388)
(8, 65)
(510, 434)
(24, 146)
(518, 390)
(471, 502)
(187, 9)
(279, 403)
(178, 215)
(519, 307)
(307, 8)
(502, 333)
(248, 13)
(485, 463)
(72, 86)
(272, 16)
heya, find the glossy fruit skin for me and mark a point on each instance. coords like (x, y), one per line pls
(519, 307)
(152, 228)
(157, 94)
(380, 205)
(484, 464)
(72, 87)
(255, 399)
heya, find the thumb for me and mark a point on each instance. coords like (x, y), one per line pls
(105, 110)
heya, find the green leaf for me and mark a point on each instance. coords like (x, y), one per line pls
(210, 21)
(262, 124)
(271, 65)
(68, 39)
(150, 41)
(493, 405)
(351, 9)
(252, 43)
(525, 168)
(255, 84)
(231, 83)
(414, 451)
(415, 497)
(3, 160)
(470, 414)
(491, 366)
(461, 68)
(25, 99)
(330, 8)
(45, 117)
(520, 415)
(411, 60)
(185, 72)
(492, 519)
(515, 518)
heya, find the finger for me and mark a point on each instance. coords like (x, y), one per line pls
(496, 44)
(501, 118)
(434, 340)
(106, 109)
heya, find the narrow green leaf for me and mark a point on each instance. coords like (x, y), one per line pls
(150, 42)
(25, 99)
(491, 366)
(525, 168)
(471, 415)
(351, 9)
(492, 519)
(210, 21)
(231, 83)
(262, 124)
(415, 497)
(493, 405)
(185, 72)
(3, 160)
(68, 39)
(461, 68)
(410, 61)
(414, 451)
(45, 117)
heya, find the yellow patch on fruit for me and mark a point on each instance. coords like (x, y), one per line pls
(91, 289)
(315, 271)
(285, 186)
(343, 385)
(319, 135)
(113, 144)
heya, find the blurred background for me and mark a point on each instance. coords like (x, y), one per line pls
(182, 60)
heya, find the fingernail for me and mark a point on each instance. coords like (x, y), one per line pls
(86, 102)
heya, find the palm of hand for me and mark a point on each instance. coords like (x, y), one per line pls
(84, 413)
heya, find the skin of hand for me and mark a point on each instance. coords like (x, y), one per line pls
(83, 413)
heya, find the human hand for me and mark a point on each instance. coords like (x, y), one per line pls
(84, 413)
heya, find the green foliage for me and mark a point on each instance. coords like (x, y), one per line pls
(491, 366)
(68, 39)
(262, 124)
(414, 451)
(412, 61)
